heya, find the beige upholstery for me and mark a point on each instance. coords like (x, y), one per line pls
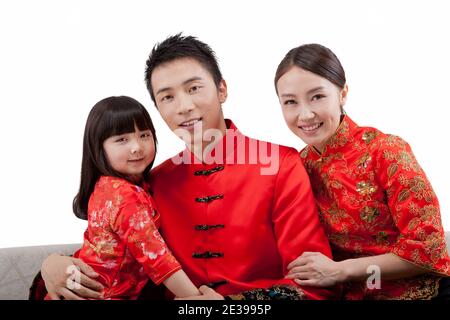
(18, 266)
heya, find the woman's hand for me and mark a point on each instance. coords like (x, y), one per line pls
(207, 294)
(68, 278)
(316, 270)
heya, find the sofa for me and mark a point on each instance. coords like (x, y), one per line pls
(18, 267)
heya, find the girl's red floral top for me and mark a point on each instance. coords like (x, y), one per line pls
(122, 243)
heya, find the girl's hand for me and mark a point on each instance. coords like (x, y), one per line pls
(207, 294)
(68, 278)
(316, 270)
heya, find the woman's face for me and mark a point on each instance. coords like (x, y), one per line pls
(311, 105)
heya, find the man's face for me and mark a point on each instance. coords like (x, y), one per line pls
(188, 99)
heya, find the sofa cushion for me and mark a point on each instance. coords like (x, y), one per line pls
(19, 266)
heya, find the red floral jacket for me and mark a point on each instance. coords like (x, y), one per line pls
(374, 198)
(122, 243)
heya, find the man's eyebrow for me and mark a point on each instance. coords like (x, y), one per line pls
(288, 95)
(184, 83)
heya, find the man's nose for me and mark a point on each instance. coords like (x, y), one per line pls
(185, 105)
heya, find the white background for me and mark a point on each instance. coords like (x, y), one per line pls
(58, 58)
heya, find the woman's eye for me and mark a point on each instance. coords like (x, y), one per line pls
(317, 97)
(289, 102)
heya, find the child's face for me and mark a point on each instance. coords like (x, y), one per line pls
(188, 99)
(311, 105)
(130, 153)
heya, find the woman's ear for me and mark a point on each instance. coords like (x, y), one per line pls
(343, 96)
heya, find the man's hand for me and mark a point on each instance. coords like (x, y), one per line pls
(69, 278)
(207, 294)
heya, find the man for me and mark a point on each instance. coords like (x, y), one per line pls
(234, 210)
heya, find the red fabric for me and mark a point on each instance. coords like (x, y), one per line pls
(268, 220)
(122, 243)
(374, 198)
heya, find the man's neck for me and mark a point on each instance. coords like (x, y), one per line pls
(202, 149)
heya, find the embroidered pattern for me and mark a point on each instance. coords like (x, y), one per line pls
(374, 198)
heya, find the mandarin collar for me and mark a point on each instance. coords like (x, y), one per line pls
(338, 140)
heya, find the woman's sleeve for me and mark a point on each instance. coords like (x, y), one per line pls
(135, 226)
(413, 204)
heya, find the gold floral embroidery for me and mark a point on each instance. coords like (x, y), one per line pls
(369, 214)
(413, 224)
(365, 188)
(368, 136)
(418, 186)
(364, 161)
(418, 288)
(392, 169)
(340, 138)
(382, 238)
(335, 214)
(390, 208)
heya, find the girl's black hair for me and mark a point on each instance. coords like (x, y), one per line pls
(109, 117)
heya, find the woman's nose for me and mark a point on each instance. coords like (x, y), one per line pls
(305, 114)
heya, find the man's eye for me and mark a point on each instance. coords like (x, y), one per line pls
(166, 98)
(194, 89)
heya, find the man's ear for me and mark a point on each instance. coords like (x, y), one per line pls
(222, 89)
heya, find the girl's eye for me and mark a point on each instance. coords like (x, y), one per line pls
(317, 97)
(121, 140)
(145, 135)
(289, 102)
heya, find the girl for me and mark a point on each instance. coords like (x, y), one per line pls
(122, 243)
(378, 208)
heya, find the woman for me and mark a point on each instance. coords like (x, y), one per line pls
(379, 210)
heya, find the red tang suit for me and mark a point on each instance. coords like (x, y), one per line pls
(235, 224)
(374, 198)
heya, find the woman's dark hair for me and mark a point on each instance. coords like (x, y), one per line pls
(177, 47)
(109, 117)
(316, 59)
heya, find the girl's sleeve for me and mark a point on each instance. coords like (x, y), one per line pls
(135, 226)
(413, 205)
